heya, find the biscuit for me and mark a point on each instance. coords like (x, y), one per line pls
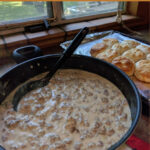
(125, 46)
(108, 55)
(142, 70)
(125, 64)
(97, 48)
(134, 54)
(110, 42)
(148, 57)
(131, 43)
(144, 48)
(119, 48)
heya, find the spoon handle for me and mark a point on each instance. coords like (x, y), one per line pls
(68, 52)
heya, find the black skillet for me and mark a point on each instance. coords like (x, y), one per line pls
(30, 68)
(23, 71)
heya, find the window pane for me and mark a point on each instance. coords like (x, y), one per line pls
(79, 9)
(18, 11)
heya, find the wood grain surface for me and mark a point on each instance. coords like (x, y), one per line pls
(143, 87)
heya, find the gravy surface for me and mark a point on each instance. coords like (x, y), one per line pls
(77, 110)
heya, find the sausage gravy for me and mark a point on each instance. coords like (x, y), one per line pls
(77, 110)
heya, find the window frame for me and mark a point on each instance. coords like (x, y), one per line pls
(57, 18)
(60, 19)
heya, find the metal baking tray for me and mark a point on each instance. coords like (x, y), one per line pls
(93, 38)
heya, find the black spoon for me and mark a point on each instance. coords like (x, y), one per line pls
(44, 81)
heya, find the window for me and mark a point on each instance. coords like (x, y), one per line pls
(75, 9)
(23, 11)
(12, 12)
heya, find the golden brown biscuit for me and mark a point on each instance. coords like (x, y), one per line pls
(119, 48)
(142, 70)
(108, 55)
(134, 54)
(125, 46)
(97, 48)
(125, 64)
(110, 41)
(148, 57)
(131, 43)
(144, 48)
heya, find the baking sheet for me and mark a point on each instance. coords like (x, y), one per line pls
(93, 38)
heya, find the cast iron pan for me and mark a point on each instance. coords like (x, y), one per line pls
(28, 69)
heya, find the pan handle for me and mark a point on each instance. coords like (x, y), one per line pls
(25, 53)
